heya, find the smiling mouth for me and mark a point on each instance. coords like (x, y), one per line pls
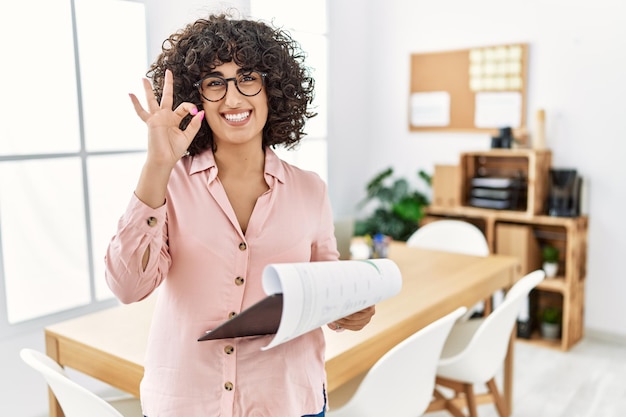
(238, 117)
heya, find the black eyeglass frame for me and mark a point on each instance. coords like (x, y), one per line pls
(198, 84)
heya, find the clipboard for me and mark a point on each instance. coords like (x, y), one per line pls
(262, 318)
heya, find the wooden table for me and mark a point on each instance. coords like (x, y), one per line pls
(109, 345)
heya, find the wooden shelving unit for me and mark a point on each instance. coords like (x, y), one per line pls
(532, 167)
(522, 232)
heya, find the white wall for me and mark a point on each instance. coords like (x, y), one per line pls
(577, 68)
(166, 17)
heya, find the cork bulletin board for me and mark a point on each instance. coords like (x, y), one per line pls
(473, 90)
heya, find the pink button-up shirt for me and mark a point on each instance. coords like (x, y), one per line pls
(207, 269)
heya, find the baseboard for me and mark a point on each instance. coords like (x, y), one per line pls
(603, 335)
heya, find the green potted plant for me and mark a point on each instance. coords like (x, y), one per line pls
(550, 257)
(398, 208)
(551, 322)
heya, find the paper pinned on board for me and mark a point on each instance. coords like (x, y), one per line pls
(498, 109)
(430, 109)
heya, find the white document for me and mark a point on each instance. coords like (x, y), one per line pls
(430, 109)
(317, 293)
(498, 109)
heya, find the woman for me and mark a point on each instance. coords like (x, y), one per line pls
(212, 207)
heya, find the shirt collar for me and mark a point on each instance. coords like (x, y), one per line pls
(206, 161)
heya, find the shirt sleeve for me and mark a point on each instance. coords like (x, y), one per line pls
(140, 227)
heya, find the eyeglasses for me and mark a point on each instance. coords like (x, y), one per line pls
(214, 88)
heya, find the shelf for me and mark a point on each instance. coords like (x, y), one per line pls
(537, 340)
(527, 169)
(523, 235)
(556, 284)
(521, 232)
(502, 215)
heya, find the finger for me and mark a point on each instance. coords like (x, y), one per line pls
(353, 322)
(194, 125)
(168, 90)
(360, 315)
(369, 311)
(153, 106)
(143, 115)
(335, 326)
(186, 108)
(341, 325)
(357, 320)
(352, 325)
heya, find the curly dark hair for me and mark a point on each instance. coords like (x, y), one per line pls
(206, 43)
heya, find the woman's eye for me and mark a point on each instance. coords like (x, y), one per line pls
(214, 83)
(247, 78)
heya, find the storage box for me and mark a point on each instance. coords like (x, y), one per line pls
(446, 186)
(519, 240)
(529, 167)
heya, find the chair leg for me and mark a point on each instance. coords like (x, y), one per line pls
(441, 402)
(499, 402)
(464, 395)
(471, 400)
(454, 410)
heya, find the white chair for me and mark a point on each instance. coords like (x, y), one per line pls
(74, 399)
(475, 351)
(344, 230)
(453, 236)
(401, 383)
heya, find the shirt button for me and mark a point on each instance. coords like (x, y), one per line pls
(239, 280)
(228, 386)
(242, 246)
(231, 314)
(152, 221)
(229, 349)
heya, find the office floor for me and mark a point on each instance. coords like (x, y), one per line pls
(587, 381)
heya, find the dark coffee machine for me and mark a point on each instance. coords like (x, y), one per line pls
(564, 195)
(504, 139)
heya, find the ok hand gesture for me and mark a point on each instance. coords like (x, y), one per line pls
(167, 143)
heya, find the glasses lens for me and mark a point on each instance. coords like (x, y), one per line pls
(213, 88)
(249, 84)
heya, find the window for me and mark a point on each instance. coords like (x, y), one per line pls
(310, 30)
(70, 142)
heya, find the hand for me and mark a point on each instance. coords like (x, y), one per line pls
(354, 321)
(167, 143)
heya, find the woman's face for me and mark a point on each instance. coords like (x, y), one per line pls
(237, 118)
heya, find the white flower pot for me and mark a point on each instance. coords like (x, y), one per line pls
(550, 268)
(550, 331)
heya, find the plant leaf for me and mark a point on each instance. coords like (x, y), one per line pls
(408, 209)
(399, 208)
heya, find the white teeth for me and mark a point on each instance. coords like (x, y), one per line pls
(237, 117)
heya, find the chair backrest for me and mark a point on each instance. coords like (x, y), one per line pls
(401, 383)
(74, 399)
(344, 231)
(451, 236)
(480, 360)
